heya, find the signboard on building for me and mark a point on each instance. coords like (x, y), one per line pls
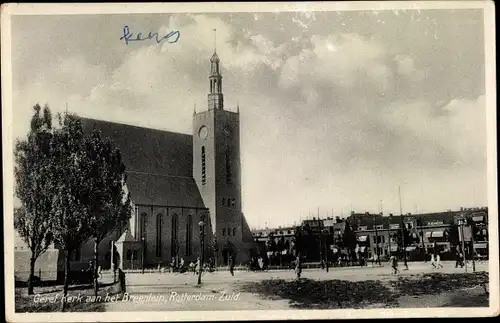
(433, 223)
(477, 217)
(394, 226)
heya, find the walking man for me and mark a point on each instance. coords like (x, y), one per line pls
(298, 266)
(438, 261)
(433, 260)
(231, 265)
(394, 265)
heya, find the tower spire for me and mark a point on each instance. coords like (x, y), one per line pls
(215, 40)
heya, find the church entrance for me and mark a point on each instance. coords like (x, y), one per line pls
(228, 250)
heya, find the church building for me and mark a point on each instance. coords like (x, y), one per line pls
(179, 184)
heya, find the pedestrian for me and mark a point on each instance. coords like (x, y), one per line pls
(433, 260)
(181, 265)
(298, 267)
(394, 265)
(438, 261)
(198, 265)
(121, 278)
(231, 265)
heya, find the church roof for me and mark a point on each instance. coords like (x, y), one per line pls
(148, 150)
(151, 189)
(159, 164)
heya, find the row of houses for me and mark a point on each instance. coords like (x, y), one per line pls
(377, 234)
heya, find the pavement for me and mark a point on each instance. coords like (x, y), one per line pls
(219, 290)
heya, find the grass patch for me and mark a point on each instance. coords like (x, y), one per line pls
(52, 297)
(436, 283)
(312, 294)
(335, 294)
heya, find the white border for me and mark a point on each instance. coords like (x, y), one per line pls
(120, 8)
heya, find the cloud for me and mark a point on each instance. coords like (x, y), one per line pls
(341, 59)
(406, 67)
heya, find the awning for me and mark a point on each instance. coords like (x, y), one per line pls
(362, 249)
(394, 248)
(428, 234)
(362, 238)
(483, 245)
(410, 248)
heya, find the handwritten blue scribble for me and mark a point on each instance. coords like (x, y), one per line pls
(171, 37)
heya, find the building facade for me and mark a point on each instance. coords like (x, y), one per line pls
(376, 234)
(179, 184)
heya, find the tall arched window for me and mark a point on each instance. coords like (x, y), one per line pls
(189, 232)
(175, 230)
(228, 168)
(234, 232)
(203, 169)
(158, 234)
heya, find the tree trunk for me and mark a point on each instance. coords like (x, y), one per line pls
(66, 279)
(32, 275)
(95, 269)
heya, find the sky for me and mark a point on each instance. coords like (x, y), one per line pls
(338, 109)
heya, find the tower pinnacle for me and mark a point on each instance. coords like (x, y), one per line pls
(215, 97)
(215, 40)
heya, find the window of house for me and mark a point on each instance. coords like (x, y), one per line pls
(158, 234)
(223, 201)
(233, 202)
(228, 202)
(234, 232)
(203, 169)
(362, 228)
(379, 226)
(189, 229)
(223, 231)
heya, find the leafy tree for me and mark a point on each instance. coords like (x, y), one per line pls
(349, 240)
(32, 160)
(69, 188)
(108, 206)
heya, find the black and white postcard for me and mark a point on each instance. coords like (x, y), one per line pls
(249, 161)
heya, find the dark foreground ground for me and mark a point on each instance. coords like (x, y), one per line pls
(368, 287)
(461, 290)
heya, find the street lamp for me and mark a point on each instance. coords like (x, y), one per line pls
(202, 240)
(142, 254)
(461, 222)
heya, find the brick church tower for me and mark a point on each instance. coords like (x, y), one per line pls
(216, 167)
